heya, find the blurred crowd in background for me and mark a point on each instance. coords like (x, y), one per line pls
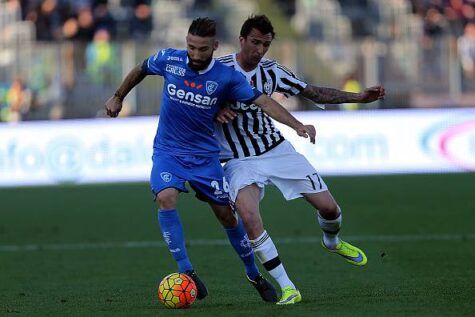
(57, 20)
(61, 59)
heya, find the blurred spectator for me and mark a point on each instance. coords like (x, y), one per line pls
(15, 101)
(141, 22)
(78, 20)
(457, 14)
(434, 23)
(444, 15)
(351, 84)
(435, 26)
(466, 48)
(85, 25)
(48, 21)
(13, 5)
(101, 57)
(79, 28)
(70, 28)
(103, 18)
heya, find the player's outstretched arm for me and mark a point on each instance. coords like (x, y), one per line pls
(133, 78)
(332, 96)
(279, 113)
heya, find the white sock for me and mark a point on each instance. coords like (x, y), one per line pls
(266, 252)
(330, 230)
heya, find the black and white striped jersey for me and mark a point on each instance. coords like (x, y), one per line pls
(252, 132)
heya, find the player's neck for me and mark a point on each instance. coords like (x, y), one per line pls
(246, 66)
(201, 67)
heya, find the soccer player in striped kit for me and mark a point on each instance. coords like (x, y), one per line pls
(256, 153)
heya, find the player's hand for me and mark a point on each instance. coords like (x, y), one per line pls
(113, 106)
(372, 94)
(306, 131)
(225, 115)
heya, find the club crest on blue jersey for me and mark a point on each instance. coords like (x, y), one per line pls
(211, 87)
(167, 177)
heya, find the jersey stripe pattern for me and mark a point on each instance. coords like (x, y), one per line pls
(252, 132)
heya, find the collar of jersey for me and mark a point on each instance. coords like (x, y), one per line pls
(203, 71)
(249, 73)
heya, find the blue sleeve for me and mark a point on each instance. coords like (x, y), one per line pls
(241, 90)
(155, 64)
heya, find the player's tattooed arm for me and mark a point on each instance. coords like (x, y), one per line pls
(133, 78)
(334, 96)
(278, 112)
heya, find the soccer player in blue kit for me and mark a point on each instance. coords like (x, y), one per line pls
(185, 147)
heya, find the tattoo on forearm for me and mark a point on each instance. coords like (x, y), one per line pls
(328, 95)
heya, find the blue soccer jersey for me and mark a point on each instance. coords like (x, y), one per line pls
(191, 100)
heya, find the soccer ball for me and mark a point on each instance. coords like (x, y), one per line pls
(177, 290)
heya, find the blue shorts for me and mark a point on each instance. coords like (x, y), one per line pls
(204, 174)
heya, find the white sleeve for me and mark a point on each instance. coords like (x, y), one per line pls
(287, 82)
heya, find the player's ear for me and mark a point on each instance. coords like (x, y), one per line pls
(215, 45)
(241, 40)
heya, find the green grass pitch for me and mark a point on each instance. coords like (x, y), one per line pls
(97, 251)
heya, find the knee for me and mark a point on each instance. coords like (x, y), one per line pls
(246, 210)
(166, 199)
(243, 211)
(252, 222)
(329, 211)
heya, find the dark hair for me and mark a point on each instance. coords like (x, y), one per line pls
(204, 27)
(259, 22)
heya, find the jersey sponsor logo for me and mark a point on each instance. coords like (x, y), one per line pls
(239, 106)
(174, 58)
(180, 71)
(167, 177)
(211, 87)
(190, 98)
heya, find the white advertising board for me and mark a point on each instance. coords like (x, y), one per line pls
(348, 143)
(389, 141)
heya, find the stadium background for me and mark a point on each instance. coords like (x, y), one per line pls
(405, 165)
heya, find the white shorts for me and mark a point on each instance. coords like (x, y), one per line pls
(282, 166)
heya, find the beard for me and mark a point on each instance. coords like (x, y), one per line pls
(199, 65)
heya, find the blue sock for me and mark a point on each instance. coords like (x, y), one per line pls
(172, 232)
(240, 242)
